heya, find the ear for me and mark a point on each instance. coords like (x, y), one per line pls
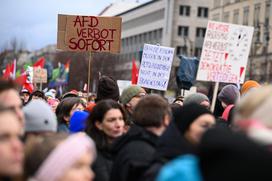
(166, 120)
(98, 125)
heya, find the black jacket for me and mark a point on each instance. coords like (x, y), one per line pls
(132, 154)
(170, 145)
(102, 165)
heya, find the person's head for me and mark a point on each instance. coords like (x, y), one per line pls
(254, 116)
(248, 86)
(131, 96)
(9, 98)
(39, 118)
(107, 89)
(67, 107)
(179, 100)
(192, 121)
(37, 95)
(59, 157)
(25, 94)
(11, 147)
(152, 111)
(229, 95)
(53, 103)
(197, 98)
(106, 122)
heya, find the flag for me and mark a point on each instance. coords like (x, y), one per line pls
(7, 72)
(56, 73)
(13, 69)
(40, 63)
(21, 80)
(134, 72)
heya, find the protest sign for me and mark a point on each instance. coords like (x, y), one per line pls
(155, 67)
(123, 84)
(39, 75)
(89, 33)
(225, 52)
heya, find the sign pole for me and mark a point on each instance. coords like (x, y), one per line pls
(40, 86)
(214, 96)
(89, 74)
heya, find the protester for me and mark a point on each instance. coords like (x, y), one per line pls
(59, 158)
(72, 93)
(65, 110)
(78, 121)
(253, 115)
(248, 86)
(107, 89)
(130, 98)
(37, 95)
(179, 100)
(11, 147)
(181, 137)
(25, 94)
(9, 98)
(197, 98)
(106, 123)
(229, 95)
(53, 103)
(134, 151)
(39, 118)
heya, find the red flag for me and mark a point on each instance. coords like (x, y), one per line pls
(13, 69)
(7, 72)
(29, 87)
(134, 72)
(40, 63)
(21, 80)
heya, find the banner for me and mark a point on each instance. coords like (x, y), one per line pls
(89, 33)
(39, 75)
(155, 67)
(225, 53)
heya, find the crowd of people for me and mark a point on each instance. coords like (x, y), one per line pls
(134, 135)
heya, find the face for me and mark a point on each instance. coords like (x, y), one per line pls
(198, 127)
(134, 101)
(81, 170)
(205, 104)
(25, 97)
(113, 124)
(10, 99)
(77, 107)
(11, 147)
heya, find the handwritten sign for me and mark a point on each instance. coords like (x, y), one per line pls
(225, 52)
(89, 33)
(155, 67)
(39, 75)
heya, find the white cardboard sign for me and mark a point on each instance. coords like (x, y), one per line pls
(225, 52)
(155, 67)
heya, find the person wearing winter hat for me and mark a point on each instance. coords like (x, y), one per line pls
(130, 98)
(59, 157)
(249, 85)
(193, 120)
(197, 98)
(229, 95)
(25, 94)
(39, 118)
(107, 89)
(78, 121)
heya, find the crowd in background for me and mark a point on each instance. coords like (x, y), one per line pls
(135, 135)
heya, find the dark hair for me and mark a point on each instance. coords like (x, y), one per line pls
(65, 106)
(37, 150)
(151, 110)
(97, 114)
(37, 93)
(7, 84)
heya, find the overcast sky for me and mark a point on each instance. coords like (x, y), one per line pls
(35, 21)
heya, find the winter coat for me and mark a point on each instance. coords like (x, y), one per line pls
(102, 165)
(133, 154)
(170, 145)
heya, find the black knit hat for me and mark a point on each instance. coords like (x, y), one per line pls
(185, 116)
(107, 89)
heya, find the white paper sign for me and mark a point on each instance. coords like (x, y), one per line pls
(123, 84)
(225, 52)
(155, 67)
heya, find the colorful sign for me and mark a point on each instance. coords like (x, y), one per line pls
(39, 75)
(225, 53)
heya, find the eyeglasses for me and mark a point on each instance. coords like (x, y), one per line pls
(141, 94)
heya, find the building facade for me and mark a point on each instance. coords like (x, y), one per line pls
(180, 24)
(256, 13)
